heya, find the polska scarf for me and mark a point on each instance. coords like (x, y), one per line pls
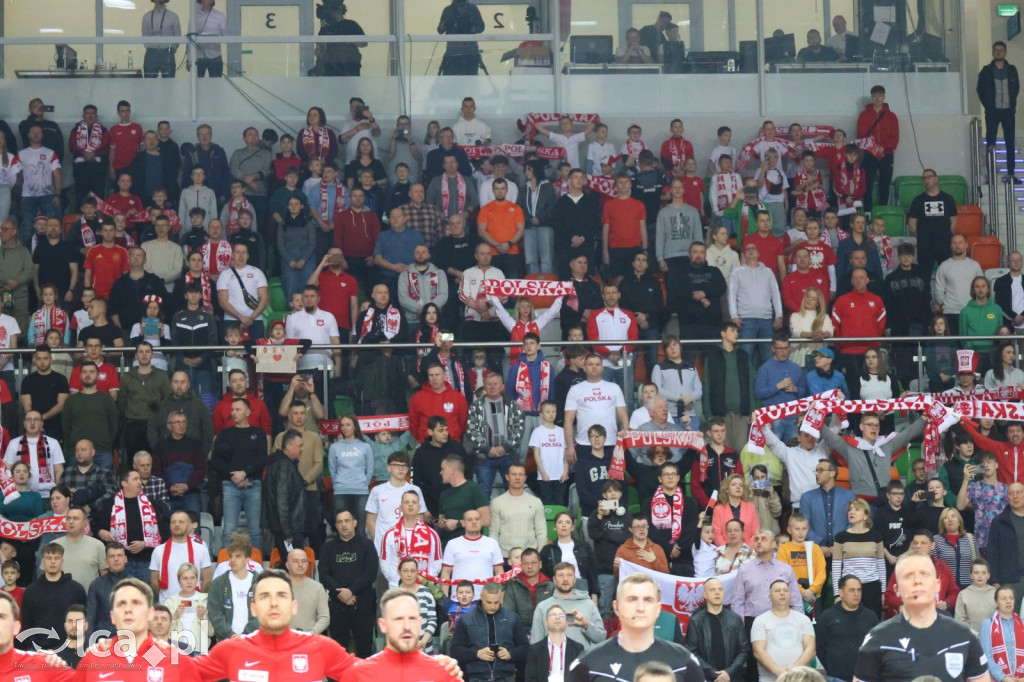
(235, 207)
(665, 515)
(525, 387)
(339, 200)
(44, 320)
(315, 142)
(31, 530)
(204, 281)
(42, 458)
(414, 285)
(692, 440)
(727, 186)
(460, 187)
(88, 138)
(119, 524)
(999, 652)
(528, 130)
(88, 236)
(216, 258)
(813, 199)
(525, 287)
(514, 151)
(165, 573)
(390, 324)
(416, 543)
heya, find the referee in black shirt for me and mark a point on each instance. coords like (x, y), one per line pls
(918, 642)
(637, 604)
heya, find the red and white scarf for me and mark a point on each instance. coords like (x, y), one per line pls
(42, 458)
(999, 652)
(632, 148)
(677, 149)
(525, 287)
(525, 387)
(339, 200)
(561, 187)
(514, 151)
(367, 425)
(451, 367)
(665, 515)
(460, 187)
(236, 206)
(849, 179)
(418, 543)
(204, 282)
(994, 395)
(165, 568)
(31, 530)
(528, 130)
(216, 259)
(316, 142)
(502, 578)
(727, 186)
(88, 138)
(44, 320)
(88, 236)
(692, 440)
(414, 284)
(8, 491)
(119, 524)
(604, 184)
(813, 199)
(884, 244)
(392, 322)
(756, 148)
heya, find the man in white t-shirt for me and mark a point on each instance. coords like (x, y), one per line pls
(384, 504)
(33, 447)
(600, 152)
(41, 175)
(317, 325)
(485, 192)
(471, 556)
(163, 574)
(236, 304)
(781, 638)
(409, 538)
(566, 139)
(470, 130)
(9, 333)
(590, 402)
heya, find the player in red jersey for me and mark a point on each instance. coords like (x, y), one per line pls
(23, 666)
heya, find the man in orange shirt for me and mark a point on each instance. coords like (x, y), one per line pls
(501, 224)
(623, 230)
(105, 262)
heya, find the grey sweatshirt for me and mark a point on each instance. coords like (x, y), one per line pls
(951, 285)
(880, 457)
(754, 292)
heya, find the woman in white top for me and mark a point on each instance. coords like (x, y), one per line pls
(188, 609)
(812, 323)
(719, 253)
(1003, 372)
(875, 383)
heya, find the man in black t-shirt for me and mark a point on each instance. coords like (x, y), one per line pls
(918, 642)
(55, 262)
(45, 390)
(239, 458)
(638, 605)
(427, 472)
(932, 219)
(453, 255)
(101, 328)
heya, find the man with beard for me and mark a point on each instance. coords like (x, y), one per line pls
(695, 293)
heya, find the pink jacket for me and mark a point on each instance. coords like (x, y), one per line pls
(723, 514)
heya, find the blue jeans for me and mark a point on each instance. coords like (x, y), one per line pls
(757, 328)
(486, 468)
(235, 501)
(539, 244)
(32, 207)
(606, 584)
(200, 378)
(785, 429)
(294, 280)
(104, 459)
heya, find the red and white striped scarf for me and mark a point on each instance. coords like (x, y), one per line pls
(677, 148)
(632, 148)
(727, 186)
(460, 187)
(88, 138)
(339, 200)
(216, 259)
(315, 142)
(204, 281)
(665, 515)
(999, 653)
(884, 244)
(528, 130)
(561, 187)
(392, 322)
(414, 284)
(845, 182)
(811, 199)
(236, 206)
(525, 388)
(119, 525)
(451, 367)
(418, 543)
(44, 320)
(42, 458)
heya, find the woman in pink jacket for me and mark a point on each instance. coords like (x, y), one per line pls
(734, 503)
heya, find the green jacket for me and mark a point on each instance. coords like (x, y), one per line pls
(222, 607)
(736, 213)
(140, 400)
(980, 320)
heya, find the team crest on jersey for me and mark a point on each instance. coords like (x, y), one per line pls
(448, 407)
(954, 664)
(596, 391)
(155, 675)
(300, 663)
(23, 678)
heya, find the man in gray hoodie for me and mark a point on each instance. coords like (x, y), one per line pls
(585, 624)
(870, 458)
(755, 305)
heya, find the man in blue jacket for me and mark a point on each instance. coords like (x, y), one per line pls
(780, 380)
(490, 641)
(1003, 549)
(825, 507)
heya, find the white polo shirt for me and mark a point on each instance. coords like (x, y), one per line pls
(252, 279)
(318, 326)
(595, 403)
(472, 560)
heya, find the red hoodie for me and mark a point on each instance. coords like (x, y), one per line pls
(886, 133)
(948, 590)
(260, 416)
(449, 404)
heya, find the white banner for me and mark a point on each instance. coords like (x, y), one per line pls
(276, 359)
(680, 596)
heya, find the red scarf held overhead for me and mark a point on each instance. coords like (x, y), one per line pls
(339, 200)
(315, 142)
(665, 515)
(999, 652)
(119, 524)
(515, 151)
(414, 284)
(460, 187)
(31, 530)
(392, 322)
(88, 138)
(43, 321)
(165, 573)
(42, 457)
(692, 440)
(236, 206)
(525, 388)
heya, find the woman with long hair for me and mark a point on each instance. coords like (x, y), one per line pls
(875, 383)
(8, 177)
(567, 547)
(408, 580)
(1004, 371)
(859, 551)
(720, 253)
(296, 246)
(734, 552)
(350, 461)
(365, 158)
(524, 322)
(734, 502)
(49, 316)
(811, 322)
(538, 201)
(316, 140)
(955, 547)
(426, 331)
(940, 356)
(430, 140)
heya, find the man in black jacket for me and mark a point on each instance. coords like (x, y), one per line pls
(283, 487)
(721, 372)
(348, 569)
(642, 296)
(1004, 289)
(907, 297)
(426, 472)
(894, 520)
(840, 630)
(608, 528)
(716, 636)
(586, 295)
(46, 600)
(998, 87)
(695, 293)
(565, 650)
(239, 458)
(489, 640)
(576, 219)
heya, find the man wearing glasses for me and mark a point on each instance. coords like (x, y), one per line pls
(673, 520)
(825, 507)
(932, 219)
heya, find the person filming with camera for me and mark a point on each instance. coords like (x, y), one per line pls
(337, 59)
(461, 58)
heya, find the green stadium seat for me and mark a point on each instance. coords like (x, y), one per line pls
(955, 186)
(907, 187)
(278, 301)
(894, 217)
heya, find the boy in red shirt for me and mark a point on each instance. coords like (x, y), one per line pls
(623, 229)
(125, 138)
